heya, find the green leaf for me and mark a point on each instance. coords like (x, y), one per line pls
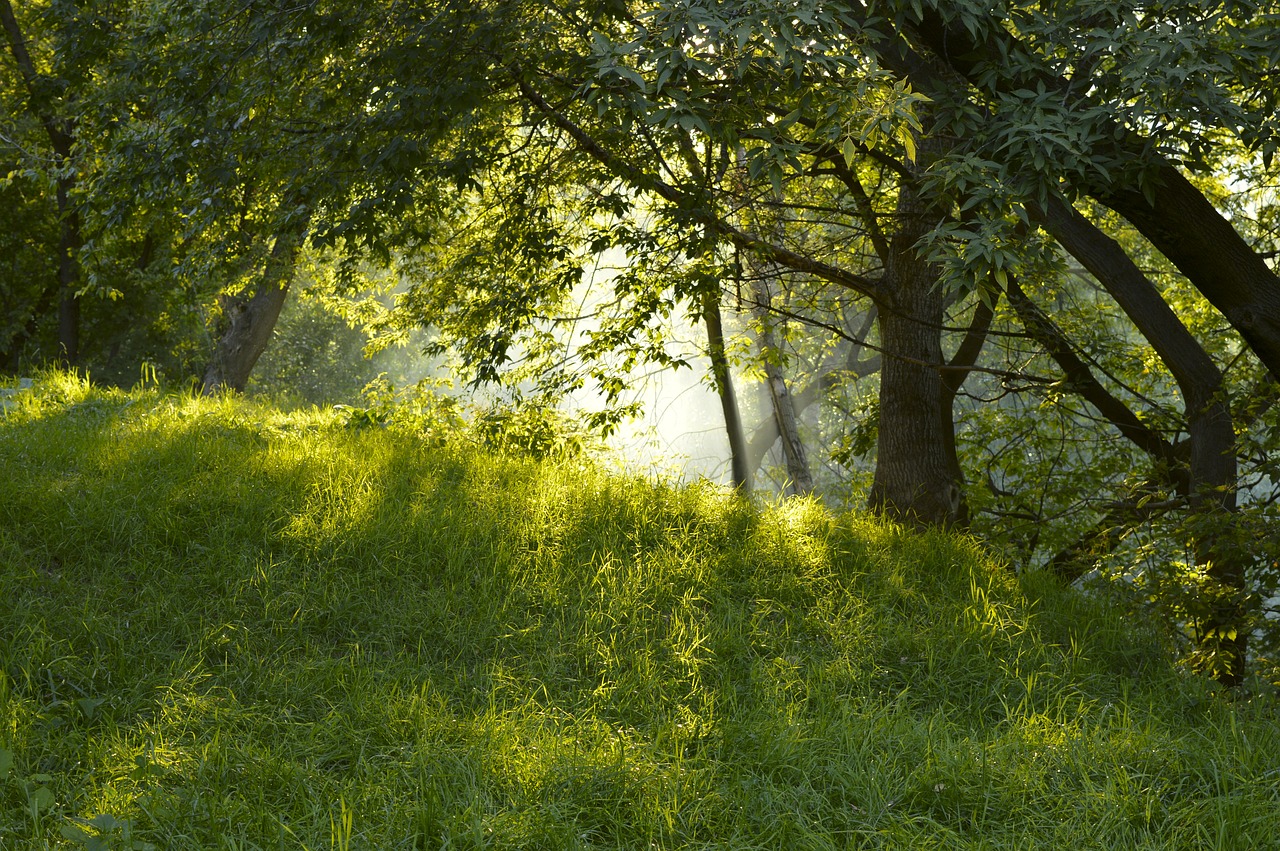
(849, 152)
(628, 73)
(39, 796)
(1149, 192)
(909, 142)
(76, 833)
(89, 705)
(106, 821)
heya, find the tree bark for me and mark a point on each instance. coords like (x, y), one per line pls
(250, 321)
(763, 273)
(1194, 236)
(1080, 380)
(913, 481)
(1175, 216)
(767, 433)
(799, 479)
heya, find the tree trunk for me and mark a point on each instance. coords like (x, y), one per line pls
(61, 133)
(250, 321)
(799, 479)
(720, 372)
(829, 375)
(1204, 246)
(1213, 469)
(913, 480)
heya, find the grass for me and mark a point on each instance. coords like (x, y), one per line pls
(227, 627)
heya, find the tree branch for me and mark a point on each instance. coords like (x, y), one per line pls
(1082, 382)
(651, 183)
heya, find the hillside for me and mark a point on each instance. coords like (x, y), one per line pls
(226, 626)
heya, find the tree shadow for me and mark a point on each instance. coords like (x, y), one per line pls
(259, 604)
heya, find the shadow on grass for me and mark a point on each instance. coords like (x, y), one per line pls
(229, 625)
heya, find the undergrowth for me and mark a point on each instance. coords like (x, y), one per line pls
(225, 626)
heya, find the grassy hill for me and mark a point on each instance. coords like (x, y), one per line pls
(224, 626)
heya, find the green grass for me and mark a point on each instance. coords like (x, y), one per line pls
(227, 627)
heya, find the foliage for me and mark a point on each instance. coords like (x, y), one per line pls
(317, 358)
(328, 346)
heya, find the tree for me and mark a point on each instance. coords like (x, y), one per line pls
(46, 96)
(916, 163)
(1097, 124)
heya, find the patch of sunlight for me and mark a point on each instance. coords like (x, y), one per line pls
(341, 496)
(51, 392)
(992, 615)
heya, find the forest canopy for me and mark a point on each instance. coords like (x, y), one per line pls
(1008, 269)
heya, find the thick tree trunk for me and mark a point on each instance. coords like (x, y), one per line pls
(723, 377)
(250, 321)
(1223, 634)
(1197, 239)
(913, 480)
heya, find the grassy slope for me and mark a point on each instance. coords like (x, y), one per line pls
(226, 627)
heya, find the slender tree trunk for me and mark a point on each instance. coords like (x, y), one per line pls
(251, 318)
(829, 375)
(763, 272)
(61, 133)
(799, 479)
(69, 243)
(720, 371)
(1213, 467)
(913, 481)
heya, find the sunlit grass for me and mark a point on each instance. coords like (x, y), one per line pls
(229, 627)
